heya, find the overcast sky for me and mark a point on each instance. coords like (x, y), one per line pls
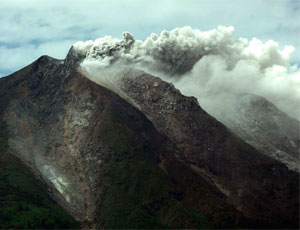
(31, 28)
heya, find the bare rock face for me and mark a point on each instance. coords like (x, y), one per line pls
(162, 162)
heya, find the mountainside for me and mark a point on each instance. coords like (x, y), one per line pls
(240, 172)
(146, 158)
(23, 197)
(100, 156)
(264, 126)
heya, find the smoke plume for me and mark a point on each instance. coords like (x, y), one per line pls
(211, 65)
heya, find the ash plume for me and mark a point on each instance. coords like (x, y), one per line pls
(211, 65)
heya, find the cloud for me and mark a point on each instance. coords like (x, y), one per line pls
(32, 22)
(212, 65)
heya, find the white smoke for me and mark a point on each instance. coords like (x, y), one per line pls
(212, 66)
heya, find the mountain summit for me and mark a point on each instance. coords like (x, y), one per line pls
(126, 149)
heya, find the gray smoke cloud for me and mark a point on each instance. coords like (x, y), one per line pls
(211, 65)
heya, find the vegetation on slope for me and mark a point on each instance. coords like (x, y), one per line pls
(23, 202)
(138, 194)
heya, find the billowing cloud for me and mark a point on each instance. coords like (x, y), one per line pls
(212, 65)
(27, 26)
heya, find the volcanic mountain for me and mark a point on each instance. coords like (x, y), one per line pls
(137, 154)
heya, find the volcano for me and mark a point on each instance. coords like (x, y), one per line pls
(79, 152)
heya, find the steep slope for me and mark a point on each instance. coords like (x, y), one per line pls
(258, 186)
(217, 74)
(264, 126)
(24, 200)
(100, 156)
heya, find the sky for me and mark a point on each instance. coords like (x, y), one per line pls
(31, 28)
